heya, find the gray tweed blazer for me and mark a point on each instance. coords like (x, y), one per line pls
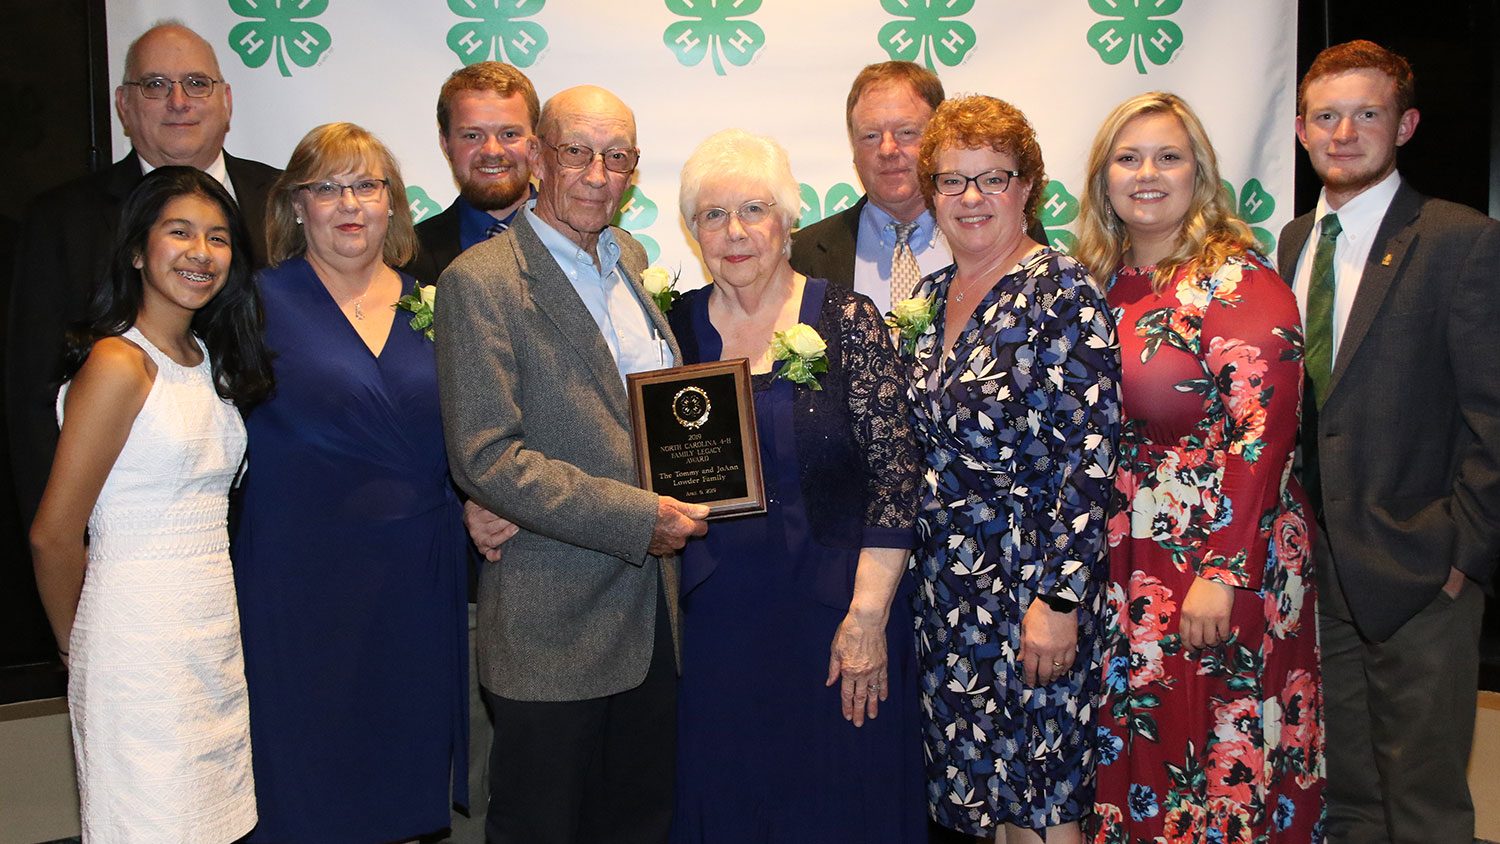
(537, 426)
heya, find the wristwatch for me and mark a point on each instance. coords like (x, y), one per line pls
(1058, 604)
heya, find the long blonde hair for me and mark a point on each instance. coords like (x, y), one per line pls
(1211, 231)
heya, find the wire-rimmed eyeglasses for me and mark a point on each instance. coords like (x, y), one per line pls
(578, 156)
(364, 190)
(193, 85)
(751, 213)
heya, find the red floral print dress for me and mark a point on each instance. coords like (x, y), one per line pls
(1223, 745)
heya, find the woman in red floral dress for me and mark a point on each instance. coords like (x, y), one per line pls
(1211, 727)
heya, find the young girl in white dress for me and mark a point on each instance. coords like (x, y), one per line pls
(130, 543)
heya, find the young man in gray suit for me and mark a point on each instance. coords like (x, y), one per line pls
(1401, 453)
(536, 330)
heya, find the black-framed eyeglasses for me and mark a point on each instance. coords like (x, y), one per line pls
(364, 190)
(578, 156)
(193, 85)
(751, 213)
(990, 182)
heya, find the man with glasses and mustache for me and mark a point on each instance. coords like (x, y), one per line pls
(487, 115)
(175, 107)
(537, 329)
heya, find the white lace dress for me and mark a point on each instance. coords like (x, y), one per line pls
(161, 728)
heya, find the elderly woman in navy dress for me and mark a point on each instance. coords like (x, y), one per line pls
(1014, 389)
(797, 716)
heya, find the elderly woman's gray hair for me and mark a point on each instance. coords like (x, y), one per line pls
(735, 154)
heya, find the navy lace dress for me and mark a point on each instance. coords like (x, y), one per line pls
(764, 753)
(1020, 421)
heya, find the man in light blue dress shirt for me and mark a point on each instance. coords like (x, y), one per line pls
(537, 329)
(888, 106)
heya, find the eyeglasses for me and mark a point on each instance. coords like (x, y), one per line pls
(364, 190)
(750, 214)
(160, 87)
(990, 182)
(616, 159)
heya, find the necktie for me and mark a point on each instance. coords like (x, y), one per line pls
(1318, 350)
(904, 272)
(497, 227)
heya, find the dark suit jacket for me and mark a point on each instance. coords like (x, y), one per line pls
(1408, 439)
(66, 239)
(825, 249)
(438, 239)
(538, 430)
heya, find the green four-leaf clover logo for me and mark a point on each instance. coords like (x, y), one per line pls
(495, 31)
(1058, 209)
(927, 31)
(637, 213)
(280, 27)
(714, 30)
(1137, 28)
(420, 203)
(1255, 205)
(840, 197)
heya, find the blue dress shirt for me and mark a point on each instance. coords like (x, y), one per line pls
(876, 241)
(627, 330)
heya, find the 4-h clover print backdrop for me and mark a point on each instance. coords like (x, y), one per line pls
(779, 67)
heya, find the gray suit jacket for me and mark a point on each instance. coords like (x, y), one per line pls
(538, 431)
(1408, 439)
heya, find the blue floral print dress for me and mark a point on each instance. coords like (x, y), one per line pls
(1019, 422)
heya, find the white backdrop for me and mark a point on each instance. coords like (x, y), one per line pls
(779, 67)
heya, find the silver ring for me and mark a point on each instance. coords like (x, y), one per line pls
(1056, 664)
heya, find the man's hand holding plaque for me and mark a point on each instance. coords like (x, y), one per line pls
(676, 522)
(695, 437)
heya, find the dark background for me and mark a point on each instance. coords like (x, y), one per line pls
(55, 101)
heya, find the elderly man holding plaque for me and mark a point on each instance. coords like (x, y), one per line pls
(796, 622)
(536, 330)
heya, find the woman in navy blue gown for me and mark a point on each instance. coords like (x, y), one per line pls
(350, 550)
(797, 716)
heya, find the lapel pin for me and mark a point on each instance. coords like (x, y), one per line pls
(1386, 261)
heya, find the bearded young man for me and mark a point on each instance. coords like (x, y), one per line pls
(487, 115)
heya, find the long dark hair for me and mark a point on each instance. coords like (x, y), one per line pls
(230, 325)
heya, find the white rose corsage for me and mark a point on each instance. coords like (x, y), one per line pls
(420, 302)
(911, 318)
(662, 285)
(805, 354)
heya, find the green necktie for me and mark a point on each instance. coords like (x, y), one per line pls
(1318, 352)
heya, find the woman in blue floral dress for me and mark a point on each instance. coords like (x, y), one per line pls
(1014, 395)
